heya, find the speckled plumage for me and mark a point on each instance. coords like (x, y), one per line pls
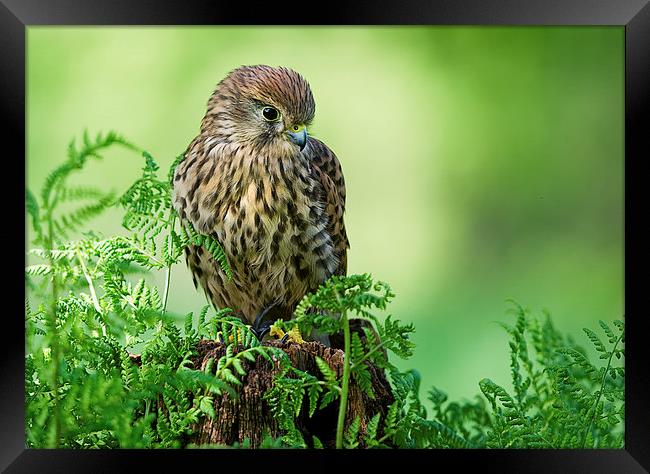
(276, 210)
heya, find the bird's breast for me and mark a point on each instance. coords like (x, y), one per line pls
(272, 226)
(269, 217)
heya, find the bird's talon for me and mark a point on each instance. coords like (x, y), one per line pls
(261, 329)
(260, 325)
(292, 335)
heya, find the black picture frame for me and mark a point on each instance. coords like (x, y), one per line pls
(633, 15)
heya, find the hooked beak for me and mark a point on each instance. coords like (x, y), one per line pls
(298, 135)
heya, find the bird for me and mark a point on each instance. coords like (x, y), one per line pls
(268, 192)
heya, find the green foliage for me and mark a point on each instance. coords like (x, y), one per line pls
(90, 307)
(559, 400)
(82, 387)
(356, 296)
(328, 310)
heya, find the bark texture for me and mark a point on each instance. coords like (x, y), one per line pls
(248, 416)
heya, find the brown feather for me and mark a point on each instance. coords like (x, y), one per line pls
(277, 211)
(328, 170)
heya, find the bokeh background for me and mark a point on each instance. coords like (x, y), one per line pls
(481, 163)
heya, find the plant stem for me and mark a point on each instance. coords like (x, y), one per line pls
(93, 294)
(168, 275)
(54, 340)
(602, 387)
(324, 384)
(168, 270)
(367, 355)
(346, 381)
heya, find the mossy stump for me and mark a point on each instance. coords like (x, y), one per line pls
(248, 416)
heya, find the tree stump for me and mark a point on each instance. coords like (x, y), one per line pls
(248, 416)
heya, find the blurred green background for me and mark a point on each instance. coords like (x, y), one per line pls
(481, 163)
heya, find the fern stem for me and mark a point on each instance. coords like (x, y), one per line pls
(91, 288)
(600, 392)
(367, 355)
(229, 362)
(54, 339)
(346, 381)
(168, 275)
(151, 257)
(168, 270)
(324, 384)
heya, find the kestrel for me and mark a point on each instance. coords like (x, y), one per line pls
(270, 194)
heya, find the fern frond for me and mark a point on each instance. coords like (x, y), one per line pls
(78, 157)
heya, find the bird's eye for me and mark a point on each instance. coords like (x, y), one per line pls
(271, 114)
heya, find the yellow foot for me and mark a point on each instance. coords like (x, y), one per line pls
(292, 335)
(230, 338)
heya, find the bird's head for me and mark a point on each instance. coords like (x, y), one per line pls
(261, 105)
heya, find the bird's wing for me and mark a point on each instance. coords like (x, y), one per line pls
(328, 170)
